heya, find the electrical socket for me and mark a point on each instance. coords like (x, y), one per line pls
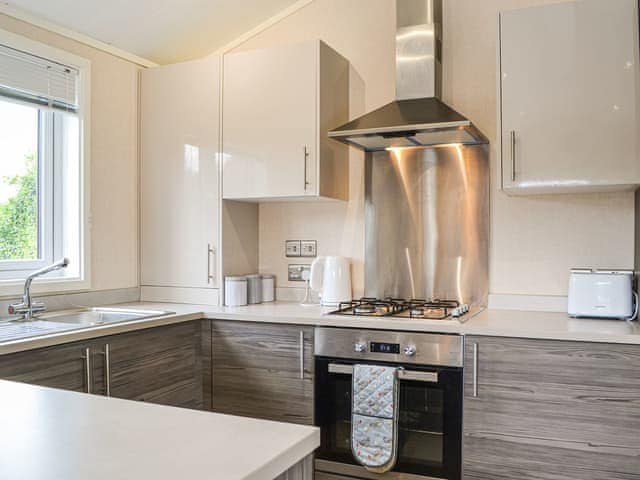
(295, 272)
(309, 248)
(292, 248)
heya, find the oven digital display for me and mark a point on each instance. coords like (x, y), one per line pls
(377, 347)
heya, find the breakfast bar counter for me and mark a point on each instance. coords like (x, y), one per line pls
(49, 433)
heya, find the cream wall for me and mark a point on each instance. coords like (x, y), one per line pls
(535, 241)
(114, 153)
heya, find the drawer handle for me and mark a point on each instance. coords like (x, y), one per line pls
(107, 370)
(87, 370)
(475, 370)
(301, 355)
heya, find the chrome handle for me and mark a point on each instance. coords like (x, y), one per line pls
(87, 370)
(414, 375)
(107, 370)
(210, 251)
(513, 155)
(301, 354)
(475, 370)
(306, 156)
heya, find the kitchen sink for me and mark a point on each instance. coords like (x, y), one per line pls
(101, 316)
(69, 320)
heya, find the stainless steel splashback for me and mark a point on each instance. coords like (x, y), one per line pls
(427, 223)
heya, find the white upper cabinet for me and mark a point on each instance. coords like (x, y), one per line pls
(569, 97)
(278, 104)
(180, 111)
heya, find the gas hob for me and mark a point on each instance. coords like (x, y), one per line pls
(394, 307)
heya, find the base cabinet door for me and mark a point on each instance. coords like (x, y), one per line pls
(64, 367)
(551, 410)
(263, 370)
(158, 365)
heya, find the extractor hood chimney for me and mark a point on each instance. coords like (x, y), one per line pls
(417, 118)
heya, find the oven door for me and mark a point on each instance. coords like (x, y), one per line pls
(430, 421)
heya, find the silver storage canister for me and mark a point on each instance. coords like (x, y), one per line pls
(254, 289)
(268, 288)
(235, 291)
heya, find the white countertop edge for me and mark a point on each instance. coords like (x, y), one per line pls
(287, 459)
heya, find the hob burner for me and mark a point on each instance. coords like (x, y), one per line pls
(364, 309)
(434, 309)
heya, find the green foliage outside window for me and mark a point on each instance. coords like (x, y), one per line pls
(19, 216)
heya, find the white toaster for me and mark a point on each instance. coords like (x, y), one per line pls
(602, 294)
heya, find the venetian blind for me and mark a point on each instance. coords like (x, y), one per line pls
(32, 79)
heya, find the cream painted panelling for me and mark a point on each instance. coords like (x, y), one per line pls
(535, 241)
(114, 153)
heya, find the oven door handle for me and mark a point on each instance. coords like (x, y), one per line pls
(415, 375)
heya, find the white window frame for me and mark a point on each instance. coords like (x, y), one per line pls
(81, 278)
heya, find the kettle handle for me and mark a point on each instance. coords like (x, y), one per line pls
(317, 273)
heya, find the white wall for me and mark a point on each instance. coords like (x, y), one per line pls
(535, 241)
(114, 158)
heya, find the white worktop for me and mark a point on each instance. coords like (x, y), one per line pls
(491, 322)
(55, 434)
(551, 326)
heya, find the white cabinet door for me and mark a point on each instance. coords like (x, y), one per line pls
(270, 122)
(179, 174)
(569, 97)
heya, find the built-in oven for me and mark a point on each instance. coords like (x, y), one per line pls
(430, 401)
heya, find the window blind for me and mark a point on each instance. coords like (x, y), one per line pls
(36, 80)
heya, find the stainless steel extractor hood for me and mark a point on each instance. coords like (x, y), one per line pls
(417, 118)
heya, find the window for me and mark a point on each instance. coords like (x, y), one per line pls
(43, 116)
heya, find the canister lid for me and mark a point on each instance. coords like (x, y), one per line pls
(236, 278)
(253, 276)
(268, 275)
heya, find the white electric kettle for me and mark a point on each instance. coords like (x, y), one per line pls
(331, 278)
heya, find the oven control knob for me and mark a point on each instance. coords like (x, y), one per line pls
(360, 347)
(410, 350)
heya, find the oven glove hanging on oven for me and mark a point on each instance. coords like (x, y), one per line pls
(374, 417)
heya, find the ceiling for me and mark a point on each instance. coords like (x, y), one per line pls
(164, 31)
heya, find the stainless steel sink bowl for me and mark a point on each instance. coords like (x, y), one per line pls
(101, 316)
(71, 320)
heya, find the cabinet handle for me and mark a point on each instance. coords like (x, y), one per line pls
(475, 370)
(107, 370)
(301, 355)
(306, 156)
(87, 370)
(513, 155)
(210, 251)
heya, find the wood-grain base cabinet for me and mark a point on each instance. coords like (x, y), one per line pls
(263, 370)
(65, 366)
(159, 365)
(551, 410)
